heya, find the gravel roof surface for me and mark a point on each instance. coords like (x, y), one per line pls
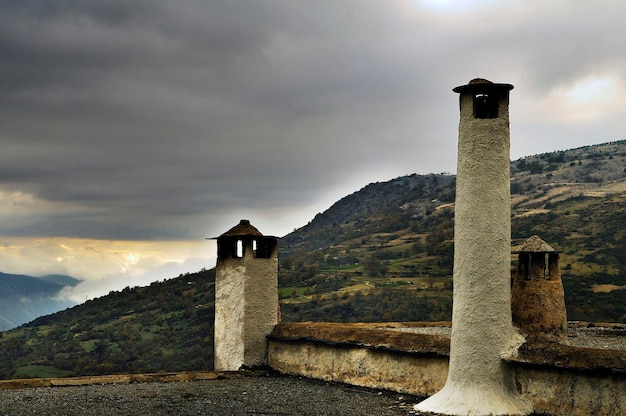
(259, 394)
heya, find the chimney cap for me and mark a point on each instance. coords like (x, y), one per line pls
(535, 244)
(244, 228)
(479, 85)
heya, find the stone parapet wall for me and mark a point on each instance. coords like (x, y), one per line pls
(557, 379)
(569, 380)
(361, 355)
(555, 391)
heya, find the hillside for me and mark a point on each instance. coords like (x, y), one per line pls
(383, 253)
(23, 298)
(167, 326)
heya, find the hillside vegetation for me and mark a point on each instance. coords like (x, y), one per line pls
(383, 253)
(167, 326)
(386, 251)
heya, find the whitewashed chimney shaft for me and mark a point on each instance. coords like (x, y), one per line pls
(246, 297)
(479, 382)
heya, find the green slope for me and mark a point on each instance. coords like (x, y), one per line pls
(360, 259)
(167, 326)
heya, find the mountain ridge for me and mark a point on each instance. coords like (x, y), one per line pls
(574, 199)
(383, 253)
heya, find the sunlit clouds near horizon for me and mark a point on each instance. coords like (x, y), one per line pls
(105, 265)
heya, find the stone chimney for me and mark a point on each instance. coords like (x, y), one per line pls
(479, 382)
(537, 297)
(246, 297)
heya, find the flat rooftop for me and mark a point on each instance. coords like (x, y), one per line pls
(246, 393)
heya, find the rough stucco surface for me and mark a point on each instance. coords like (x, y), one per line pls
(363, 354)
(564, 393)
(229, 316)
(360, 366)
(261, 308)
(537, 296)
(574, 381)
(538, 309)
(246, 310)
(478, 381)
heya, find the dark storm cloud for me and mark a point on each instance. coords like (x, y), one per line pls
(156, 119)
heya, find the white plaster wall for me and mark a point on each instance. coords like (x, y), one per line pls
(229, 315)
(246, 310)
(360, 366)
(481, 321)
(261, 309)
(478, 382)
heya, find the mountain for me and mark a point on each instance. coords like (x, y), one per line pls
(386, 251)
(24, 298)
(383, 253)
(60, 279)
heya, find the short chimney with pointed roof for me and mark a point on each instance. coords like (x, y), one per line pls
(537, 296)
(246, 296)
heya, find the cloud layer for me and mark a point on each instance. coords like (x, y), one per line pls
(160, 120)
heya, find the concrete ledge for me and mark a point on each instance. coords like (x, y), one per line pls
(579, 359)
(106, 379)
(568, 380)
(366, 355)
(380, 336)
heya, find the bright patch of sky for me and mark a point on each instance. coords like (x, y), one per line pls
(591, 99)
(456, 6)
(105, 265)
(594, 89)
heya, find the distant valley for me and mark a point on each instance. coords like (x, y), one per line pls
(24, 298)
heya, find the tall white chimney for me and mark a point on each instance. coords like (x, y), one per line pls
(479, 381)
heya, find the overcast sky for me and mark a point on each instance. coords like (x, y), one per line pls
(132, 130)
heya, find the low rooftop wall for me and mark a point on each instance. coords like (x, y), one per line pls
(413, 358)
(107, 379)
